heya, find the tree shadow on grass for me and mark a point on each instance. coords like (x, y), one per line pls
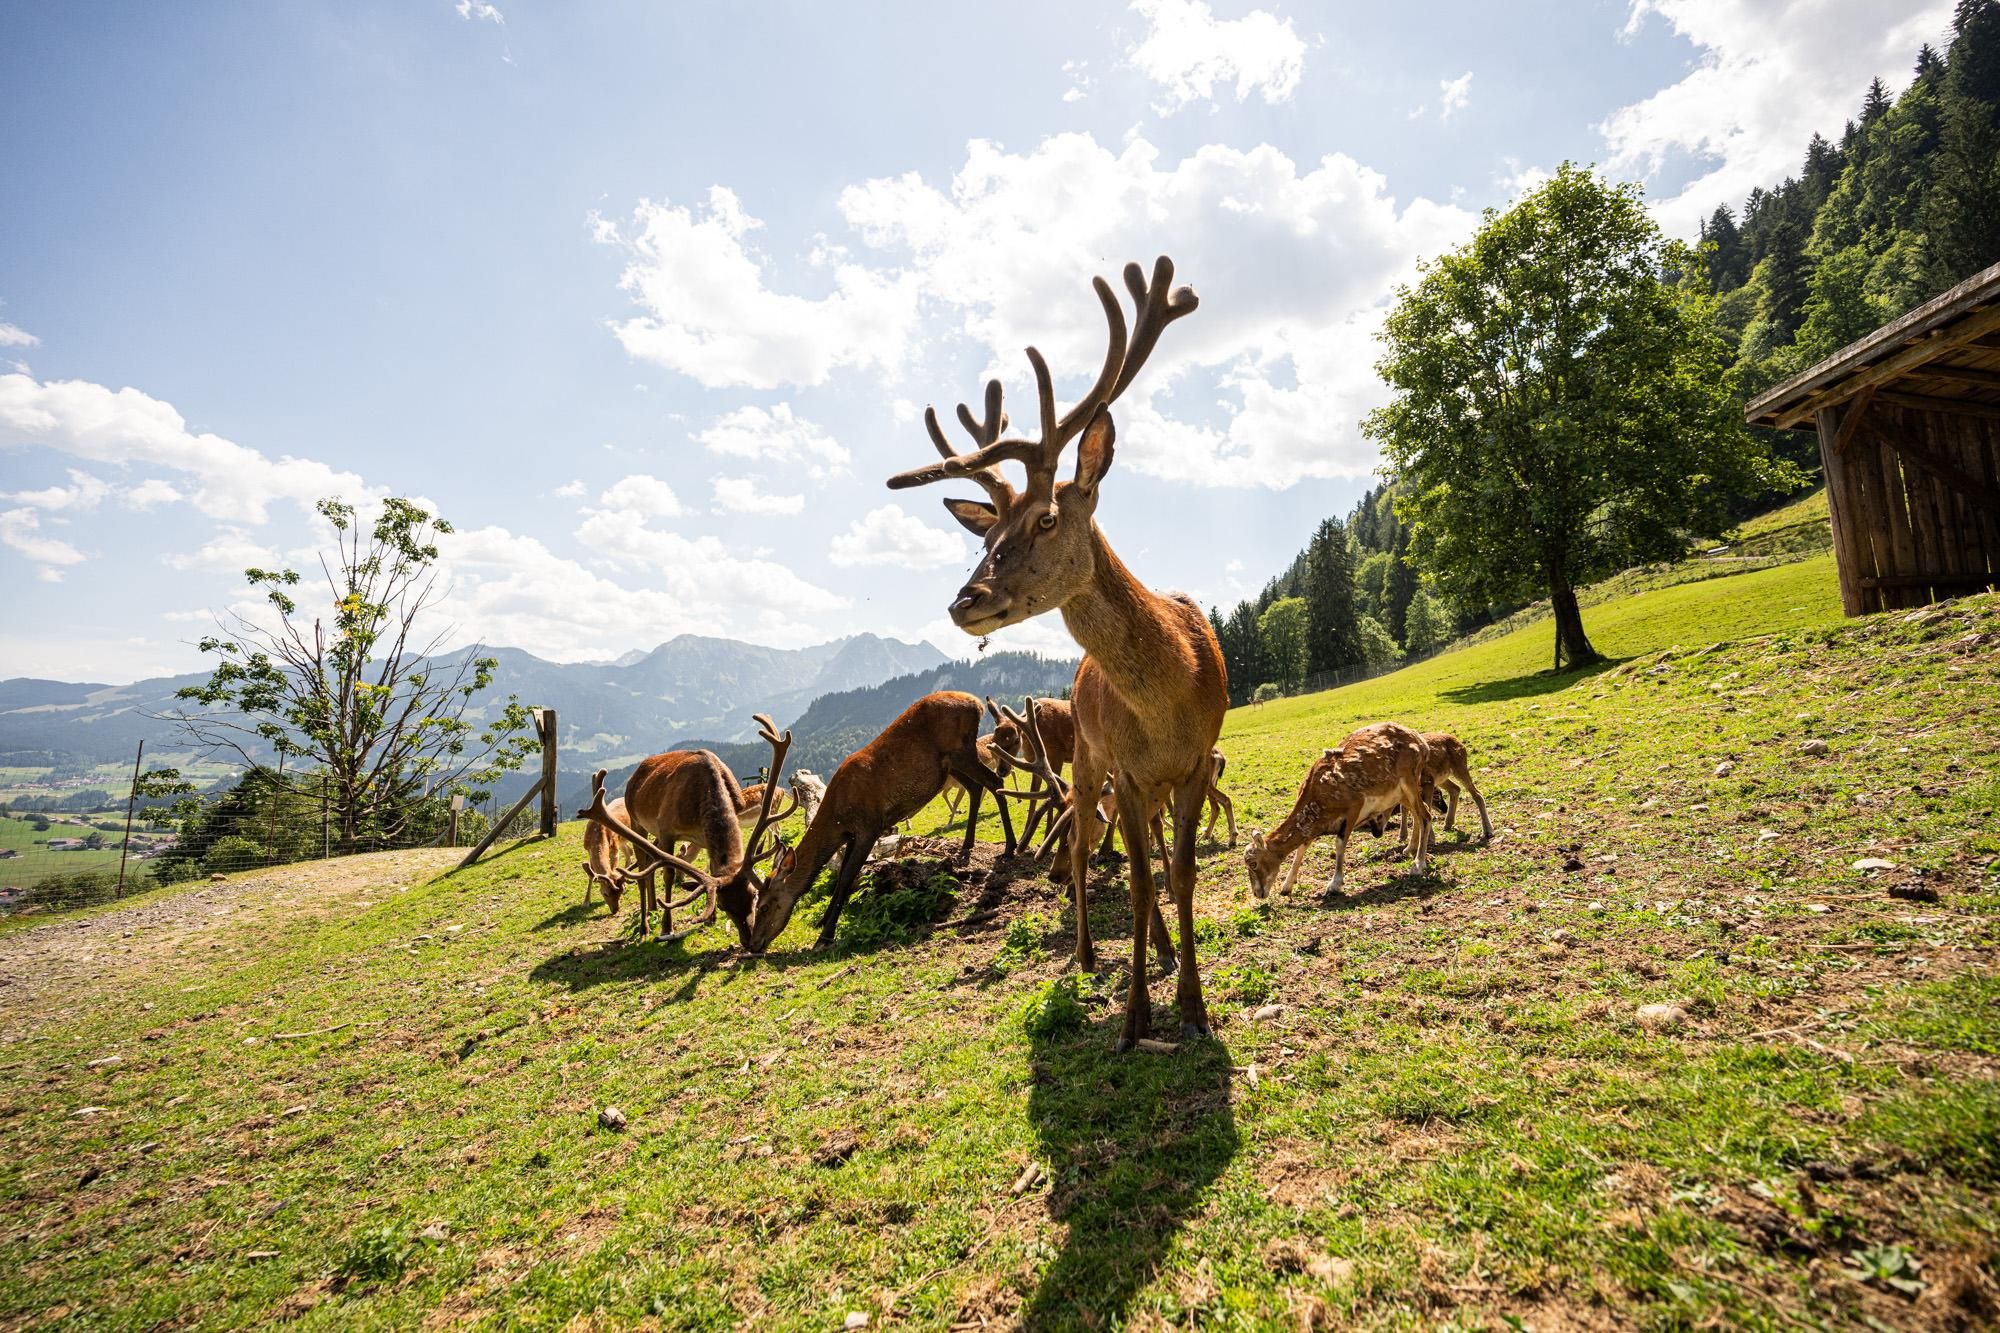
(1130, 1143)
(1525, 687)
(575, 914)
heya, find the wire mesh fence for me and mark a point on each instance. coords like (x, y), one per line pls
(61, 850)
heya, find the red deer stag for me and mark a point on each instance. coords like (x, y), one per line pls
(1151, 691)
(1055, 724)
(1375, 770)
(876, 788)
(692, 794)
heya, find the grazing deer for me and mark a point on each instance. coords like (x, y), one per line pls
(808, 789)
(1375, 770)
(1218, 803)
(605, 856)
(876, 788)
(692, 794)
(1445, 774)
(989, 755)
(1151, 691)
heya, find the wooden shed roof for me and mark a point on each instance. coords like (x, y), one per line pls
(1943, 356)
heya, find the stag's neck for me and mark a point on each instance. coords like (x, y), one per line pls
(1137, 637)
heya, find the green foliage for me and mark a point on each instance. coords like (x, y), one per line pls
(1426, 626)
(353, 696)
(1266, 692)
(1329, 599)
(1378, 646)
(1246, 983)
(70, 889)
(1284, 630)
(894, 912)
(1023, 942)
(232, 853)
(1889, 1266)
(377, 1254)
(1561, 408)
(1054, 1008)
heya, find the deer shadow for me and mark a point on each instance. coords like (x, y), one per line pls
(1130, 1144)
(574, 915)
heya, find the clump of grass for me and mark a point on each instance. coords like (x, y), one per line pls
(1054, 1008)
(1251, 983)
(1023, 942)
(896, 907)
(1250, 920)
(377, 1254)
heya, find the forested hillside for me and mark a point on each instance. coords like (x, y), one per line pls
(1906, 204)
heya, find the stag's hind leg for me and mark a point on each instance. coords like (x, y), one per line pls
(1180, 871)
(844, 880)
(1082, 836)
(1133, 819)
(1464, 779)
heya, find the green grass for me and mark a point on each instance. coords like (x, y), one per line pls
(1455, 1120)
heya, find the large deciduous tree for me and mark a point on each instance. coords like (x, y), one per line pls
(1561, 407)
(354, 703)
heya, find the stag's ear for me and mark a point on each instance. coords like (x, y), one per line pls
(976, 515)
(1093, 452)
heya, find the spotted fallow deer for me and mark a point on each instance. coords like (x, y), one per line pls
(1446, 773)
(876, 788)
(692, 794)
(1375, 770)
(1151, 691)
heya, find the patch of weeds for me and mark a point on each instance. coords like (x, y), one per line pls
(1054, 1008)
(1946, 1127)
(1888, 1266)
(1954, 1015)
(1023, 942)
(1250, 920)
(1207, 933)
(1251, 983)
(899, 904)
(377, 1254)
(1423, 1097)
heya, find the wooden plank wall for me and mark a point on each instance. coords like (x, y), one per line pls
(1914, 497)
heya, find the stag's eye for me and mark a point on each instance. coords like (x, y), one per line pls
(1046, 521)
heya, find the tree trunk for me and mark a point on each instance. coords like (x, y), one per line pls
(1573, 648)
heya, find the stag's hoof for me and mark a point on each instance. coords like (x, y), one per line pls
(1124, 1046)
(1169, 964)
(1195, 1031)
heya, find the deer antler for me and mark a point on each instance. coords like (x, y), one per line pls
(705, 884)
(1158, 304)
(780, 745)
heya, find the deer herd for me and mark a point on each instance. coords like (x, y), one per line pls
(1137, 734)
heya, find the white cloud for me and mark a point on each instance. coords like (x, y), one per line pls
(1187, 51)
(890, 536)
(1453, 94)
(1080, 81)
(1295, 268)
(480, 9)
(229, 551)
(126, 427)
(570, 490)
(1771, 74)
(20, 531)
(1516, 179)
(84, 492)
(12, 335)
(640, 495)
(152, 491)
(711, 314)
(775, 435)
(743, 495)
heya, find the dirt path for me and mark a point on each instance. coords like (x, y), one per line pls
(46, 970)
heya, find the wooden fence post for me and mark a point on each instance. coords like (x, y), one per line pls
(125, 848)
(457, 806)
(545, 727)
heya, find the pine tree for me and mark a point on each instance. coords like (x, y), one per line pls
(1875, 104)
(1282, 630)
(1428, 627)
(1728, 263)
(1962, 206)
(1329, 597)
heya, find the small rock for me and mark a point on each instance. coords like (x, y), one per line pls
(104, 1062)
(1868, 863)
(1821, 908)
(1814, 747)
(612, 1118)
(218, 878)
(1725, 768)
(1595, 905)
(1661, 1017)
(1263, 1013)
(856, 1319)
(1765, 835)
(839, 1146)
(435, 1231)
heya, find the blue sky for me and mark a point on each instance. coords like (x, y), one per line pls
(647, 298)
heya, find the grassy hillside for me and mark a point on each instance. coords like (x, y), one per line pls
(372, 1099)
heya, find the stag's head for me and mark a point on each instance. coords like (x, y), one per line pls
(1040, 541)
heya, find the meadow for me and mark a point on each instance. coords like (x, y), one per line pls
(366, 1094)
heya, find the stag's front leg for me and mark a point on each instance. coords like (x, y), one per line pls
(1133, 817)
(1187, 814)
(1082, 836)
(843, 886)
(973, 793)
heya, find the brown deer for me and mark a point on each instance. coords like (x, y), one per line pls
(876, 788)
(1151, 691)
(1445, 774)
(1055, 730)
(1218, 802)
(692, 794)
(605, 856)
(1375, 770)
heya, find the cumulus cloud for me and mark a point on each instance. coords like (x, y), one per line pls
(890, 536)
(570, 490)
(712, 314)
(1266, 384)
(1771, 73)
(1454, 94)
(152, 491)
(639, 495)
(480, 9)
(1188, 51)
(229, 551)
(84, 492)
(125, 427)
(775, 435)
(12, 335)
(745, 495)
(20, 531)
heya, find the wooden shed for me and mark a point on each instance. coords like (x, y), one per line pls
(1909, 438)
